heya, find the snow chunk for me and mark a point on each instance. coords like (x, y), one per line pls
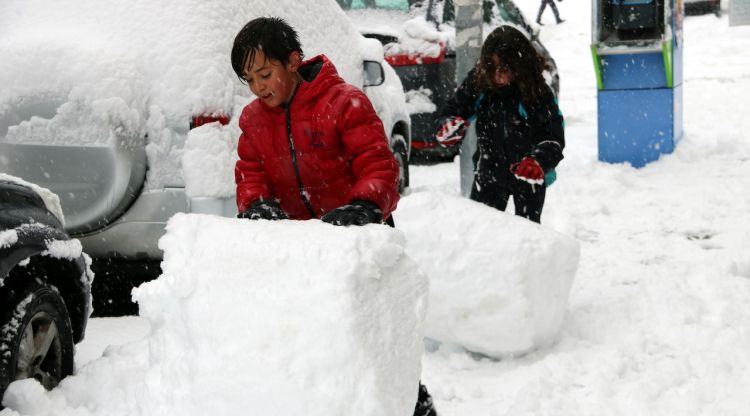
(499, 284)
(308, 318)
(8, 238)
(420, 101)
(63, 249)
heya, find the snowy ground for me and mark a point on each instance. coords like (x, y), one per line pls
(659, 314)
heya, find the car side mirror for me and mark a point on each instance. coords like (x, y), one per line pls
(374, 74)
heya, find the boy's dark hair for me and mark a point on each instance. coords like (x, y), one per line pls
(272, 35)
(522, 59)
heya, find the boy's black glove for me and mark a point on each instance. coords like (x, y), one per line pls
(264, 210)
(357, 213)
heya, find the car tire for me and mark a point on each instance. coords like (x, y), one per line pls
(403, 168)
(36, 339)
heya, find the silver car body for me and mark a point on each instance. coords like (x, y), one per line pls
(118, 170)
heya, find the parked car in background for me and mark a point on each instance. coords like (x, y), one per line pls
(419, 41)
(697, 7)
(45, 287)
(129, 113)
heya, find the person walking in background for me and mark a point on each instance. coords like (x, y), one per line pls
(520, 134)
(552, 6)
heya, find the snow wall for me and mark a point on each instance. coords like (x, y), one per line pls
(499, 284)
(261, 318)
(284, 318)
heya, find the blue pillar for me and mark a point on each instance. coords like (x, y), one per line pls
(637, 52)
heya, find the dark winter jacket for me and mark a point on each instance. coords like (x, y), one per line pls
(325, 149)
(507, 129)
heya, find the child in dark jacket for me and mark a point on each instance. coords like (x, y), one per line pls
(519, 126)
(312, 145)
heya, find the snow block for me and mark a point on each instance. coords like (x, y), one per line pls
(283, 318)
(499, 284)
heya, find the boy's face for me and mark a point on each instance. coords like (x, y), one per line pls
(271, 80)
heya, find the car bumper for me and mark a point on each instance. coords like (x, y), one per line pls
(136, 234)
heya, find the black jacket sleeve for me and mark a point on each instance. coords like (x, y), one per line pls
(547, 129)
(463, 102)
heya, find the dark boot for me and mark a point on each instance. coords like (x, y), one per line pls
(424, 405)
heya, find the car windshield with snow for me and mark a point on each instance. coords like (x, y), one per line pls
(129, 112)
(419, 41)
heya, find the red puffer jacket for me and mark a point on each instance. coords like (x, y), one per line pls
(325, 149)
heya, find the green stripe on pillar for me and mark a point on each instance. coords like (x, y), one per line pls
(597, 67)
(666, 50)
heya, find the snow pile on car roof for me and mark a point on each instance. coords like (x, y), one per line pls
(141, 67)
(419, 38)
(499, 284)
(262, 318)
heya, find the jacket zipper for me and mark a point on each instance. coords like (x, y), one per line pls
(300, 186)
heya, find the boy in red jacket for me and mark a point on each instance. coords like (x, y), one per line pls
(312, 145)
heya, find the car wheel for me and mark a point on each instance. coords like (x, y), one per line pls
(403, 168)
(36, 339)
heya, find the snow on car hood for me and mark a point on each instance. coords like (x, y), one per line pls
(138, 67)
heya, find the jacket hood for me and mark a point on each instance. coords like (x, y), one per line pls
(318, 75)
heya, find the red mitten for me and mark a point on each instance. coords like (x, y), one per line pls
(529, 170)
(452, 131)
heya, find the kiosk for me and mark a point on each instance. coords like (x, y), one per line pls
(637, 51)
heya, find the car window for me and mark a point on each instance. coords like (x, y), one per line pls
(449, 12)
(510, 13)
(506, 9)
(375, 4)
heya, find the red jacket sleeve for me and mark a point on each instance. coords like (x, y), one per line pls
(373, 164)
(249, 174)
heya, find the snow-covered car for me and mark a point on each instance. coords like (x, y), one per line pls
(129, 112)
(419, 41)
(45, 287)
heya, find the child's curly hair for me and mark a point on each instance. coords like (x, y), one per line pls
(522, 59)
